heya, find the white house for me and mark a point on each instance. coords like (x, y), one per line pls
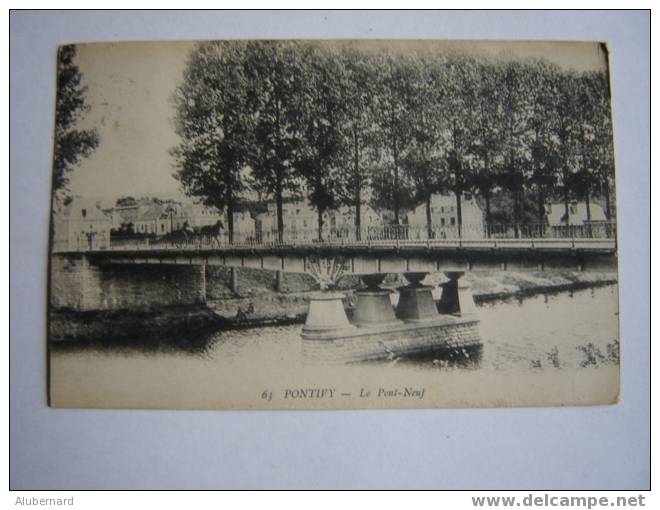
(200, 215)
(81, 225)
(577, 213)
(577, 224)
(244, 226)
(444, 218)
(344, 218)
(300, 221)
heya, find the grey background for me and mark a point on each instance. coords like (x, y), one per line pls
(588, 448)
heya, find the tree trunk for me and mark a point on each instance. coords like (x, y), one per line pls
(280, 216)
(395, 191)
(358, 215)
(566, 205)
(230, 215)
(541, 211)
(588, 206)
(358, 187)
(429, 226)
(608, 210)
(459, 183)
(489, 216)
(486, 191)
(516, 213)
(319, 212)
(608, 206)
(395, 156)
(459, 212)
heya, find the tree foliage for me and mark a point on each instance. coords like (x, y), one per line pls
(215, 125)
(350, 126)
(72, 144)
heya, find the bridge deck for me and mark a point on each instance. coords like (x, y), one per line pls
(213, 245)
(380, 257)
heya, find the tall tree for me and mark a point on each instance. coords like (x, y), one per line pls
(71, 143)
(459, 108)
(321, 102)
(357, 152)
(584, 178)
(603, 144)
(423, 162)
(565, 129)
(391, 189)
(276, 75)
(487, 139)
(213, 122)
(543, 146)
(516, 112)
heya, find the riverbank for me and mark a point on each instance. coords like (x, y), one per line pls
(268, 307)
(262, 306)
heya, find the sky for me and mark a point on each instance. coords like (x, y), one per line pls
(129, 86)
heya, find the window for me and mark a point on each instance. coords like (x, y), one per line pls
(442, 222)
(573, 209)
(305, 223)
(162, 227)
(84, 213)
(452, 220)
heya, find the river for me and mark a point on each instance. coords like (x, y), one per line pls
(566, 332)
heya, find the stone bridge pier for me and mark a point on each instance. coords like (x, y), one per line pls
(373, 307)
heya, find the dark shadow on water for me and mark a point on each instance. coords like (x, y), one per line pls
(522, 295)
(170, 342)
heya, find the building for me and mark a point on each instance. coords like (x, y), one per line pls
(148, 219)
(300, 221)
(244, 226)
(444, 218)
(340, 223)
(344, 218)
(577, 213)
(199, 215)
(577, 224)
(81, 225)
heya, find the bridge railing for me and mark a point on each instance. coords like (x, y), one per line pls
(468, 234)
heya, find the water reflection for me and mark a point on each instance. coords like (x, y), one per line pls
(551, 331)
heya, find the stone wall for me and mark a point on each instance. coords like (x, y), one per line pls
(387, 344)
(79, 284)
(252, 282)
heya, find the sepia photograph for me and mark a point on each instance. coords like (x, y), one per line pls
(333, 224)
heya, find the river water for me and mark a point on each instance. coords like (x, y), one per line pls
(564, 330)
(556, 334)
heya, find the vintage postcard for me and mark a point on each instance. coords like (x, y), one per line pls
(333, 224)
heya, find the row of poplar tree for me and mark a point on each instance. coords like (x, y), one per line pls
(353, 124)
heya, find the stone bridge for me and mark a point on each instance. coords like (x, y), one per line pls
(157, 272)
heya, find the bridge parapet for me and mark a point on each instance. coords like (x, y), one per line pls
(601, 236)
